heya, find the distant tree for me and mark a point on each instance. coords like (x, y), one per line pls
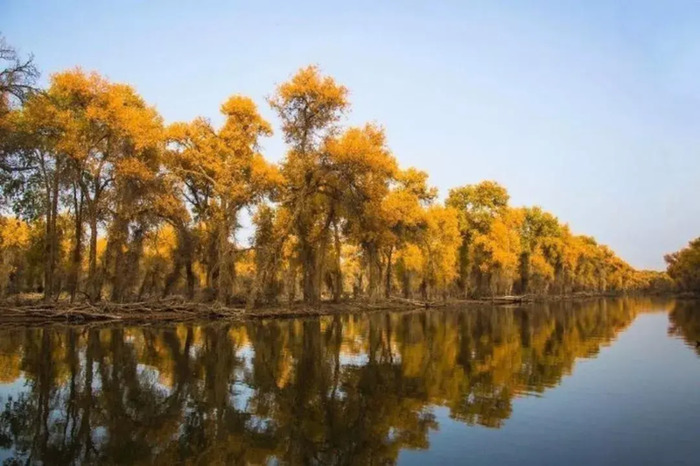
(478, 206)
(684, 266)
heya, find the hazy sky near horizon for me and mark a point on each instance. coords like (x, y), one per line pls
(588, 109)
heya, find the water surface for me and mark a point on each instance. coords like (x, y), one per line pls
(612, 381)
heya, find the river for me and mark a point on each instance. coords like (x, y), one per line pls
(609, 381)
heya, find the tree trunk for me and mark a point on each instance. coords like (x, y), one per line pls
(226, 265)
(524, 273)
(93, 292)
(320, 256)
(115, 262)
(308, 264)
(291, 283)
(183, 258)
(389, 254)
(48, 256)
(424, 290)
(131, 267)
(338, 284)
(76, 256)
(51, 240)
(407, 284)
(464, 267)
(212, 255)
(375, 272)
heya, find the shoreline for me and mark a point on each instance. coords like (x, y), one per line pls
(32, 312)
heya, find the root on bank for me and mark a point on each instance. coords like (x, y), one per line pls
(37, 312)
(176, 309)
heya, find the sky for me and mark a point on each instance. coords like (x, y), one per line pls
(587, 109)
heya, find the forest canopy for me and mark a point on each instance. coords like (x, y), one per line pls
(684, 267)
(103, 201)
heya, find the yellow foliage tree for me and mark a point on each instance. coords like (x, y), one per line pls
(222, 172)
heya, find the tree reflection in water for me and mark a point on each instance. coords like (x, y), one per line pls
(685, 322)
(342, 389)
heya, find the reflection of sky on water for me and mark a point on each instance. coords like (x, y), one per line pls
(605, 380)
(637, 402)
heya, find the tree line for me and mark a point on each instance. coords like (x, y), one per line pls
(105, 201)
(684, 267)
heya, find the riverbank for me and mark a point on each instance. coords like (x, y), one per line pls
(37, 312)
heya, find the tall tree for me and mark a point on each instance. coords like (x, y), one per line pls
(537, 229)
(222, 173)
(439, 246)
(309, 106)
(405, 216)
(108, 134)
(361, 169)
(478, 205)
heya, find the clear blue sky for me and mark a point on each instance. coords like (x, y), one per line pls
(589, 109)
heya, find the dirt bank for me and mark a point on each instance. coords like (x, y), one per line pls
(35, 312)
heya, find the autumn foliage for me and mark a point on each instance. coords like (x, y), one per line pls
(684, 267)
(105, 201)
